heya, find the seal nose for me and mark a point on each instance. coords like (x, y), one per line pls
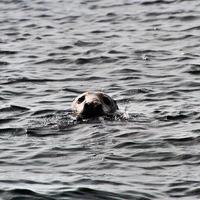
(92, 105)
(88, 106)
(92, 109)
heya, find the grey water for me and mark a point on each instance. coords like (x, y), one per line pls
(143, 53)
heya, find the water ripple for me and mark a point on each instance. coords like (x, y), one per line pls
(143, 53)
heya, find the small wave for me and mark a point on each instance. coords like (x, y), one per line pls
(44, 16)
(139, 91)
(6, 120)
(76, 91)
(192, 28)
(54, 61)
(26, 80)
(174, 117)
(146, 3)
(116, 5)
(150, 51)
(194, 69)
(22, 194)
(6, 52)
(183, 188)
(43, 112)
(184, 18)
(4, 63)
(125, 71)
(183, 140)
(13, 131)
(98, 31)
(83, 193)
(1, 98)
(14, 108)
(183, 37)
(93, 51)
(191, 84)
(90, 194)
(66, 47)
(42, 132)
(95, 60)
(115, 52)
(87, 44)
(193, 191)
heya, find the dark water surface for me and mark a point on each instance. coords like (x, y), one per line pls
(145, 54)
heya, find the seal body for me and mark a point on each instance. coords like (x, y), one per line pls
(94, 104)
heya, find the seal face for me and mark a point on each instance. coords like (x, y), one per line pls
(94, 104)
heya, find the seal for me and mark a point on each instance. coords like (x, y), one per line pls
(94, 104)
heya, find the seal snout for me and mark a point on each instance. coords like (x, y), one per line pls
(92, 109)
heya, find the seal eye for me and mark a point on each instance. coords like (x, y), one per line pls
(81, 99)
(106, 100)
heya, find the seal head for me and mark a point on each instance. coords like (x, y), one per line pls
(94, 104)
